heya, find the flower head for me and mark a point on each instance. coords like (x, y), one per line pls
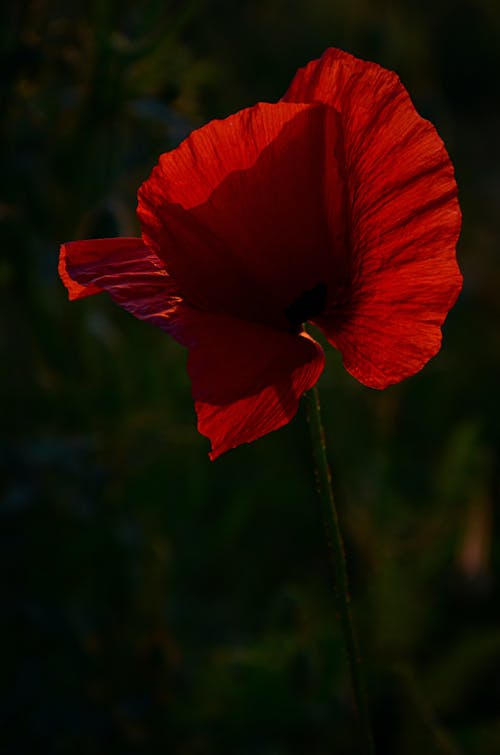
(337, 205)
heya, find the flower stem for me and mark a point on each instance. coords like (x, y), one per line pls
(341, 582)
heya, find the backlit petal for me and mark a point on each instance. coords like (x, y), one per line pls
(404, 221)
(127, 270)
(75, 290)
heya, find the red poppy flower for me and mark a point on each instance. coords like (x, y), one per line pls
(336, 205)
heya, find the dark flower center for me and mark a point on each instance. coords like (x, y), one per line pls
(309, 304)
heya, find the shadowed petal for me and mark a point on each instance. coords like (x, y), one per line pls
(247, 381)
(248, 212)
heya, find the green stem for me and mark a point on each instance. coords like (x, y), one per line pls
(336, 545)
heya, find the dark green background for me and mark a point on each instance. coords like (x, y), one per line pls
(154, 602)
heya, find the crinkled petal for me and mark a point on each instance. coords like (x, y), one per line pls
(242, 211)
(75, 290)
(127, 270)
(404, 221)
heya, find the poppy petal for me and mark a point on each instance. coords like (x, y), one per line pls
(127, 270)
(75, 290)
(242, 211)
(247, 380)
(404, 221)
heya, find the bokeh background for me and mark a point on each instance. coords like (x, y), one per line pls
(152, 601)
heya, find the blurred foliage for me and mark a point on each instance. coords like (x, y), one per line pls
(155, 602)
